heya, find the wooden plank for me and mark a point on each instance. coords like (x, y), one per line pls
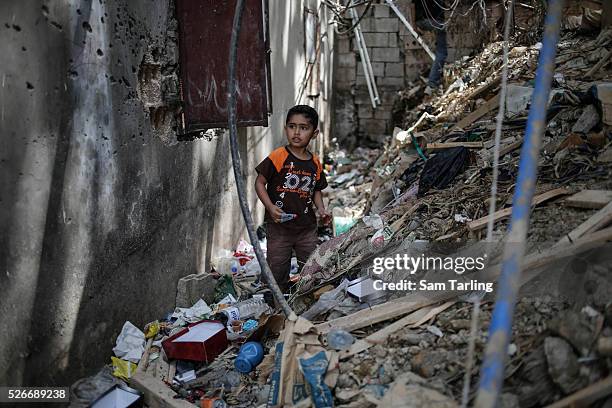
(506, 212)
(414, 319)
(486, 87)
(156, 394)
(385, 311)
(532, 263)
(485, 108)
(144, 360)
(450, 145)
(599, 220)
(595, 199)
(510, 148)
(586, 396)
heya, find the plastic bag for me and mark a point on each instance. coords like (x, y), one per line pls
(441, 169)
(87, 390)
(123, 369)
(327, 301)
(130, 343)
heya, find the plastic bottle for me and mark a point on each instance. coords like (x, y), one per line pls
(247, 309)
(235, 267)
(250, 355)
(287, 217)
(339, 339)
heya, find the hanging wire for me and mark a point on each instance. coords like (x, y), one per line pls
(452, 9)
(340, 20)
(500, 119)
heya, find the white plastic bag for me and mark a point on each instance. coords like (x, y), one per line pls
(130, 343)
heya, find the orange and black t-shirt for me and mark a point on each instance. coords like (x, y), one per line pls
(291, 183)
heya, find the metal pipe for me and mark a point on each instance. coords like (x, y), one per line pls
(416, 36)
(492, 373)
(237, 166)
(368, 62)
(363, 60)
(369, 66)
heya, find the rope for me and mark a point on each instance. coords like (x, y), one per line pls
(500, 119)
(498, 127)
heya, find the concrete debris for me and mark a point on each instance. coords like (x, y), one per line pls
(424, 193)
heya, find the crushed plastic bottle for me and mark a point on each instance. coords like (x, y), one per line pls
(247, 309)
(339, 339)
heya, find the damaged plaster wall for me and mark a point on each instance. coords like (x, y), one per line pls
(101, 209)
(101, 213)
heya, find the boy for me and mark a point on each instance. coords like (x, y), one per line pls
(294, 178)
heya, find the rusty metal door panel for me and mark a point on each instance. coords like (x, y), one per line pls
(205, 28)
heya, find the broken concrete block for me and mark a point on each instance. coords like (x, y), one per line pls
(517, 99)
(576, 328)
(405, 394)
(192, 288)
(587, 121)
(563, 365)
(604, 94)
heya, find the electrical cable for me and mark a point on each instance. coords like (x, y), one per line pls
(237, 166)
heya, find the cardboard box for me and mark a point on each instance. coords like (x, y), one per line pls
(200, 341)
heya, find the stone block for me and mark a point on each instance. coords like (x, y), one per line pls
(386, 25)
(393, 40)
(347, 60)
(367, 25)
(376, 39)
(343, 45)
(362, 97)
(388, 97)
(192, 288)
(392, 82)
(375, 126)
(394, 69)
(381, 11)
(385, 54)
(345, 74)
(365, 112)
(378, 68)
(382, 113)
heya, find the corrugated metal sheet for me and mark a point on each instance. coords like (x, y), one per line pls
(205, 28)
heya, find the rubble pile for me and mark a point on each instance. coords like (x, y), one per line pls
(426, 190)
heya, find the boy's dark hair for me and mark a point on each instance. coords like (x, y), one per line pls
(307, 111)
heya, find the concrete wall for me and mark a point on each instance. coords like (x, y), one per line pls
(101, 212)
(397, 60)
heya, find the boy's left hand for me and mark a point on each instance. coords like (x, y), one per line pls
(324, 215)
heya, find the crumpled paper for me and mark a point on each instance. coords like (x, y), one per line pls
(130, 343)
(193, 314)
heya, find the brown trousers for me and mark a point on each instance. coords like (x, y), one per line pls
(281, 241)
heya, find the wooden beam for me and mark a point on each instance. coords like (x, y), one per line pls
(450, 145)
(414, 319)
(385, 311)
(510, 148)
(506, 212)
(586, 396)
(485, 108)
(595, 199)
(599, 220)
(156, 394)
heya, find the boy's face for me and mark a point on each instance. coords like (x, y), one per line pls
(299, 131)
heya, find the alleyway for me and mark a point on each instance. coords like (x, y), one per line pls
(468, 257)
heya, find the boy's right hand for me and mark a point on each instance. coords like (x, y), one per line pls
(275, 213)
